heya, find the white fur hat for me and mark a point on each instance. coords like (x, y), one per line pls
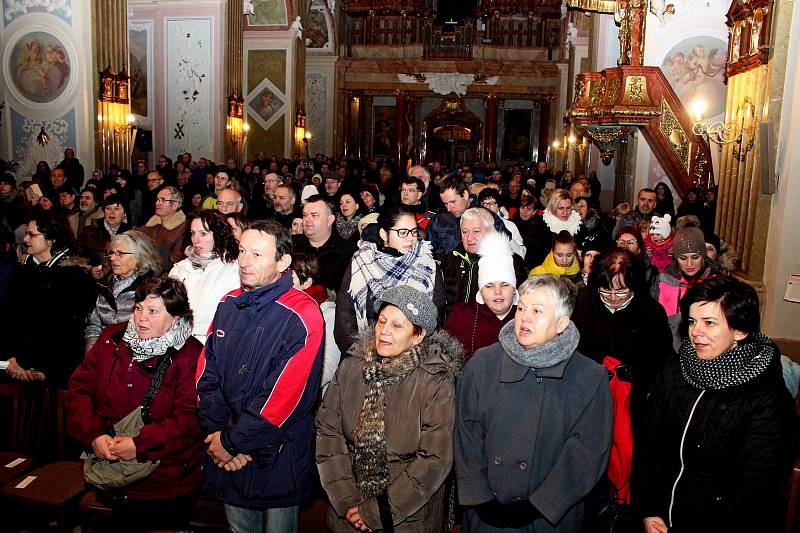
(496, 262)
(308, 190)
(660, 225)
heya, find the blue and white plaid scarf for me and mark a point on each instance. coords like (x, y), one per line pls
(375, 271)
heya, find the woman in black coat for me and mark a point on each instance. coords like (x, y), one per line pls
(44, 311)
(616, 317)
(720, 438)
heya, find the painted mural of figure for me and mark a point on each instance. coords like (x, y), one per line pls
(41, 71)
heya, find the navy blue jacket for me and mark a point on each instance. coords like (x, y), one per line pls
(257, 381)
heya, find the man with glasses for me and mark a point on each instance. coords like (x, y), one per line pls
(167, 227)
(411, 191)
(96, 236)
(262, 200)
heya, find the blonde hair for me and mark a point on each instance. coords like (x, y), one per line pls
(557, 196)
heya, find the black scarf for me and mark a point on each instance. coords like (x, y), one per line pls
(740, 364)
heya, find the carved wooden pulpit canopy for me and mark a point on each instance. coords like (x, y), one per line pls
(608, 104)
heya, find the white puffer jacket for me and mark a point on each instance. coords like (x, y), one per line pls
(205, 288)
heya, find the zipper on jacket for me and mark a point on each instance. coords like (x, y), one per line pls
(683, 438)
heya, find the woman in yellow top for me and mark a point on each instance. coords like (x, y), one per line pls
(562, 259)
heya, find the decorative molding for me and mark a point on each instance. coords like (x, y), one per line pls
(13, 9)
(445, 83)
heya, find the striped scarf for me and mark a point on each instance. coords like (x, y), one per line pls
(374, 272)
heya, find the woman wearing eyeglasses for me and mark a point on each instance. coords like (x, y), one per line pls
(630, 238)
(44, 311)
(399, 257)
(133, 261)
(622, 327)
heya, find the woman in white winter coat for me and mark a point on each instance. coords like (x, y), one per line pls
(210, 270)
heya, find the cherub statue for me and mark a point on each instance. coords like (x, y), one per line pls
(297, 28)
(572, 33)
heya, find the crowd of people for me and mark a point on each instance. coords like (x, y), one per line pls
(431, 346)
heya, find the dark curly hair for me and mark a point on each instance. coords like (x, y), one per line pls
(55, 227)
(225, 244)
(171, 291)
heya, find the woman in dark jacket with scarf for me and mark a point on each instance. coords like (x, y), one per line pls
(401, 257)
(112, 381)
(720, 438)
(385, 428)
(44, 311)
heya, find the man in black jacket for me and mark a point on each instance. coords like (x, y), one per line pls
(321, 239)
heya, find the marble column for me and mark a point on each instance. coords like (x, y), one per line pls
(234, 46)
(360, 122)
(544, 129)
(399, 126)
(491, 127)
(348, 102)
(113, 145)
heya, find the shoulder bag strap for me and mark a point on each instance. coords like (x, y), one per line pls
(155, 383)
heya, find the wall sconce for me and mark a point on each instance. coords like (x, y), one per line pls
(235, 125)
(299, 127)
(114, 103)
(739, 130)
(306, 139)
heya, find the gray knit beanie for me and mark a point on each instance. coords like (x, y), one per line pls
(689, 241)
(417, 306)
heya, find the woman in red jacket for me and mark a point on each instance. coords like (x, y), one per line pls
(112, 381)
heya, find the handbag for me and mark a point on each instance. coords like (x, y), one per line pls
(105, 474)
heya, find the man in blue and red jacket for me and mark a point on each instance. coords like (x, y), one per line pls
(257, 383)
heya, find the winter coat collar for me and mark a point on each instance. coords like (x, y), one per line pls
(445, 353)
(170, 223)
(512, 372)
(261, 297)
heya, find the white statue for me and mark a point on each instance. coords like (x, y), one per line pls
(659, 8)
(297, 28)
(564, 9)
(572, 33)
(248, 8)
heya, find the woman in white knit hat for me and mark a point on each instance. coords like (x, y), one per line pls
(478, 324)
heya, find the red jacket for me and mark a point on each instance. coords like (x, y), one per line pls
(475, 325)
(108, 385)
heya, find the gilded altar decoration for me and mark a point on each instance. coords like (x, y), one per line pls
(636, 91)
(673, 132)
(596, 90)
(578, 92)
(614, 90)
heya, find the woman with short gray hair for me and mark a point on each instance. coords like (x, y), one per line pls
(133, 260)
(512, 473)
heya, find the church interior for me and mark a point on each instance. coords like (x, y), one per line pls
(697, 94)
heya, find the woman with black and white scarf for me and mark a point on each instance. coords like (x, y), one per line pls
(399, 256)
(720, 438)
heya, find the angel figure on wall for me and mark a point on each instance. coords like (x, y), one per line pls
(572, 33)
(297, 28)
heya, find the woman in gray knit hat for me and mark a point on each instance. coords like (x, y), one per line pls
(385, 428)
(689, 267)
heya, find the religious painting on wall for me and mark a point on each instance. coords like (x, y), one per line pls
(696, 70)
(384, 135)
(517, 134)
(266, 103)
(317, 31)
(268, 13)
(139, 46)
(39, 67)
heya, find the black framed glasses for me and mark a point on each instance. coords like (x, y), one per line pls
(117, 253)
(405, 232)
